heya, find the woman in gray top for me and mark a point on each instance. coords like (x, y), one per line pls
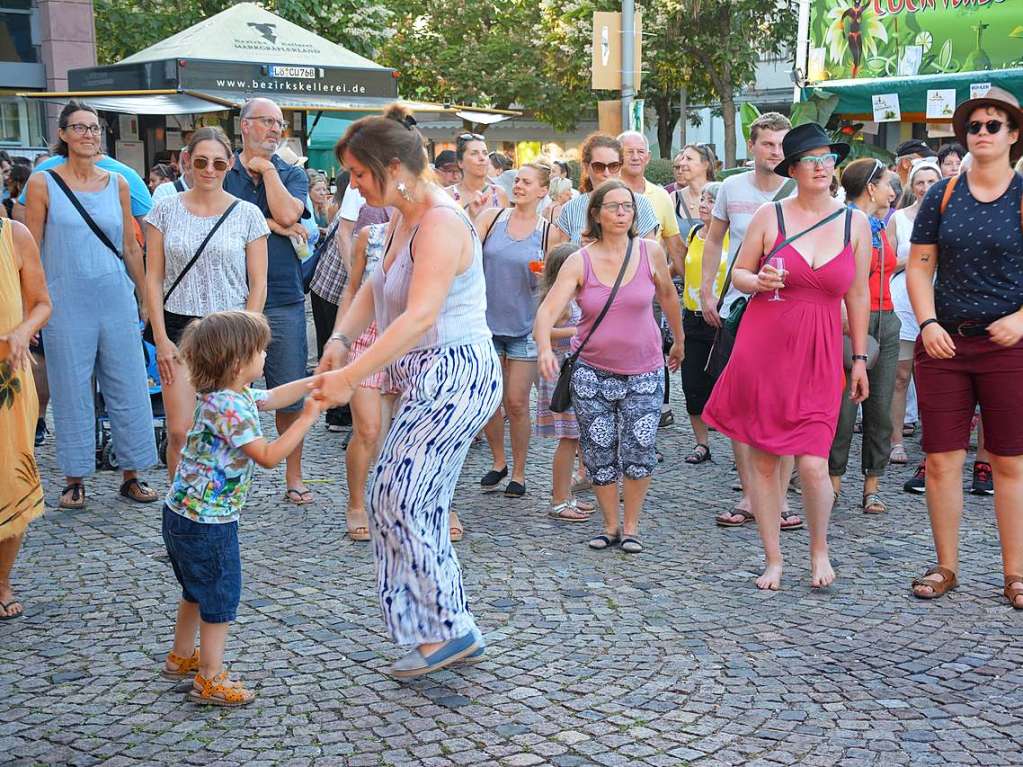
(230, 273)
(513, 249)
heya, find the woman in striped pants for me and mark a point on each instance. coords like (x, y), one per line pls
(429, 301)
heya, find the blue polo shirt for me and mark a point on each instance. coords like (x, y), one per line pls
(284, 271)
(141, 201)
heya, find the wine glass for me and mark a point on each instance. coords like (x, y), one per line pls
(778, 263)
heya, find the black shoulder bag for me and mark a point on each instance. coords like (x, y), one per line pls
(147, 333)
(84, 213)
(561, 399)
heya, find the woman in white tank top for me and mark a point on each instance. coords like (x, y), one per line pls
(924, 174)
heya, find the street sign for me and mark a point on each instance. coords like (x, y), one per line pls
(607, 51)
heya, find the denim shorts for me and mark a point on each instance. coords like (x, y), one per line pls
(207, 564)
(287, 354)
(516, 347)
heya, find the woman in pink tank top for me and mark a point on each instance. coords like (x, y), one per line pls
(781, 390)
(617, 384)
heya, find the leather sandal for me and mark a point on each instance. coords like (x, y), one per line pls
(77, 499)
(219, 691)
(872, 504)
(725, 519)
(698, 454)
(1012, 593)
(938, 588)
(178, 666)
(566, 511)
(137, 491)
(791, 525)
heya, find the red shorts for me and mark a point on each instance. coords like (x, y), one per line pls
(948, 391)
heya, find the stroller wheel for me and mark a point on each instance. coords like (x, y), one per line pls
(161, 446)
(109, 457)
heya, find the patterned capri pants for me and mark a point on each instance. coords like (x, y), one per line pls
(618, 417)
(447, 395)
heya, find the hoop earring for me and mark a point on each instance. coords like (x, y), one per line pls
(403, 191)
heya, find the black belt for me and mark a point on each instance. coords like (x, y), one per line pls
(968, 328)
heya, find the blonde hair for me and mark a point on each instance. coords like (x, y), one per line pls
(543, 169)
(552, 265)
(215, 347)
(559, 186)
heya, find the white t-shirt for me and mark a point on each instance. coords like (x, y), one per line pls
(352, 204)
(736, 203)
(167, 189)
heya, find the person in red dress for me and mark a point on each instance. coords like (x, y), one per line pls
(781, 390)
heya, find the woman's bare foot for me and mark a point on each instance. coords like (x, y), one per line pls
(10, 606)
(821, 573)
(771, 578)
(357, 524)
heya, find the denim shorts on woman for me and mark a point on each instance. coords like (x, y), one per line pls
(516, 347)
(207, 564)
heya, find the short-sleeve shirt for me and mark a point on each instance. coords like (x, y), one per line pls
(284, 270)
(219, 278)
(352, 204)
(169, 189)
(572, 220)
(738, 199)
(663, 209)
(214, 475)
(980, 251)
(141, 200)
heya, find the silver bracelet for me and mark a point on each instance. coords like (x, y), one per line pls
(342, 338)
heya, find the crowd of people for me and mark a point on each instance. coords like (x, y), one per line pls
(446, 295)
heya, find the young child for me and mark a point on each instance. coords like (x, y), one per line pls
(224, 353)
(560, 426)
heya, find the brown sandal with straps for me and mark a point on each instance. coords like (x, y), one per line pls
(180, 667)
(219, 691)
(1012, 593)
(948, 582)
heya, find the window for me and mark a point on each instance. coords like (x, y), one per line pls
(16, 42)
(21, 122)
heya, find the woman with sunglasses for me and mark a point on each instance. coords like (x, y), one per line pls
(965, 280)
(868, 187)
(96, 279)
(475, 192)
(230, 273)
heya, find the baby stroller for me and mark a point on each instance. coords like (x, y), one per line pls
(105, 456)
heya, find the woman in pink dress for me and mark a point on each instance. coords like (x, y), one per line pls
(781, 390)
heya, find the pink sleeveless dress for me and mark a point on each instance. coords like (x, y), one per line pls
(782, 388)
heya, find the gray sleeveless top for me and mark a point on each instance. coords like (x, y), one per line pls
(462, 319)
(511, 286)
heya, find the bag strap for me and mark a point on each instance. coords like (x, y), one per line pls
(610, 300)
(781, 218)
(681, 203)
(202, 247)
(490, 228)
(950, 187)
(324, 241)
(84, 213)
(784, 191)
(179, 185)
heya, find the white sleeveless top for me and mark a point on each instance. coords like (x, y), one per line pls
(900, 294)
(462, 319)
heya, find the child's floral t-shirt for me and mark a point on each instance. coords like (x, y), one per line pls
(214, 475)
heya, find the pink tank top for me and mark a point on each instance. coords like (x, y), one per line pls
(627, 340)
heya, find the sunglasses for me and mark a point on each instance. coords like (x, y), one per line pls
(605, 167)
(823, 161)
(993, 126)
(878, 165)
(201, 163)
(466, 137)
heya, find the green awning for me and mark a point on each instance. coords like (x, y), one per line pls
(854, 96)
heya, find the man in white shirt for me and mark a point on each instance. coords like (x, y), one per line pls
(184, 182)
(738, 199)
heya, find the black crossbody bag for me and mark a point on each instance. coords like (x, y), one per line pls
(147, 333)
(561, 399)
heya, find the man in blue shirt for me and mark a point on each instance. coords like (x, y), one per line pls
(279, 190)
(141, 201)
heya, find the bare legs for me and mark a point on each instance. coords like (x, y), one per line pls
(903, 376)
(367, 431)
(743, 464)
(767, 497)
(699, 430)
(8, 553)
(634, 493)
(293, 469)
(519, 376)
(1008, 474)
(212, 639)
(179, 407)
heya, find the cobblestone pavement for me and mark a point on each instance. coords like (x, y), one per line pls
(670, 657)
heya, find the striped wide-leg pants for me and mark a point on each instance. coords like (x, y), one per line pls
(448, 394)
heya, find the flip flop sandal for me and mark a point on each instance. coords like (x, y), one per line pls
(183, 667)
(699, 454)
(723, 520)
(898, 455)
(790, 525)
(77, 499)
(298, 497)
(604, 541)
(567, 512)
(218, 692)
(358, 534)
(1012, 593)
(938, 588)
(138, 492)
(631, 545)
(872, 504)
(7, 606)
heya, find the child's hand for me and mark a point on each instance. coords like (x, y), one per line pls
(311, 409)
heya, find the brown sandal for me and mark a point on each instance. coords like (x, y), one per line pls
(1012, 593)
(219, 691)
(72, 497)
(938, 588)
(179, 667)
(137, 491)
(724, 519)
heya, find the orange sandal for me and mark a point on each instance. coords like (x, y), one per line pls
(219, 691)
(1012, 593)
(938, 589)
(179, 667)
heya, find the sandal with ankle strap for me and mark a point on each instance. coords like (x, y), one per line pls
(219, 691)
(948, 582)
(180, 667)
(698, 454)
(1012, 593)
(139, 492)
(77, 499)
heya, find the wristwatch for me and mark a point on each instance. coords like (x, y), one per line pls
(859, 357)
(342, 338)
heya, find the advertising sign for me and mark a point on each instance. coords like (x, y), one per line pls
(607, 51)
(889, 38)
